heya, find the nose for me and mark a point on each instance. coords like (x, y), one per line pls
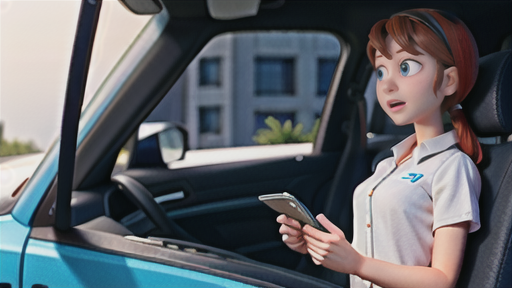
(388, 86)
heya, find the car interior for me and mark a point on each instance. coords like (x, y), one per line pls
(210, 219)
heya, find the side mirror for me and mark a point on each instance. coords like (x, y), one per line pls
(158, 144)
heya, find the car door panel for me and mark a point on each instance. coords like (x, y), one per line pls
(68, 266)
(226, 181)
(221, 209)
(81, 257)
(12, 240)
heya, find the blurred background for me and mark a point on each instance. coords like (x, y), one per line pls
(36, 39)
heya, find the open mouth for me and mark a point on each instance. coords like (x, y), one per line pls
(396, 105)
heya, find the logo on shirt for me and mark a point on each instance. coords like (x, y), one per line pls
(413, 177)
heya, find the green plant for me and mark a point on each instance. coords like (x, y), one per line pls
(16, 147)
(280, 134)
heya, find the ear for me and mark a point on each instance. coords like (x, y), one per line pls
(450, 81)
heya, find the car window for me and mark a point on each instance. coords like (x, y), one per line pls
(262, 92)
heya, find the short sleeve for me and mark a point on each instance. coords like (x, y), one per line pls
(455, 192)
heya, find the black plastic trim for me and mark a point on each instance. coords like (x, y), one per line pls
(77, 79)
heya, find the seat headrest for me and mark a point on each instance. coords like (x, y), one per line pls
(488, 107)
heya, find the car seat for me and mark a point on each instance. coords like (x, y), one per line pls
(488, 108)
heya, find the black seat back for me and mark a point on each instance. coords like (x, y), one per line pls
(488, 257)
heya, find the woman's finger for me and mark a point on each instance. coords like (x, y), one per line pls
(316, 261)
(290, 231)
(283, 219)
(314, 242)
(293, 240)
(329, 225)
(316, 255)
(319, 235)
(317, 250)
(296, 245)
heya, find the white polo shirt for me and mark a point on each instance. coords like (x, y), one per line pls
(438, 186)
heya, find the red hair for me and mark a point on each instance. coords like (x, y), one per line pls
(409, 33)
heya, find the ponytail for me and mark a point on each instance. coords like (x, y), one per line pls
(468, 142)
(465, 54)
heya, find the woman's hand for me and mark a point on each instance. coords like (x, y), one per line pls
(331, 250)
(334, 252)
(292, 234)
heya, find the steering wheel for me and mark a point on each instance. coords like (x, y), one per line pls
(144, 200)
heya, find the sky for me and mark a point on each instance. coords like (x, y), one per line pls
(36, 39)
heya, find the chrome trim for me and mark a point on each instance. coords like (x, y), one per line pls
(170, 197)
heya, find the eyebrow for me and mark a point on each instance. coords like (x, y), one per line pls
(398, 51)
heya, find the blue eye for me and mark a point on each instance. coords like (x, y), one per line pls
(381, 73)
(410, 67)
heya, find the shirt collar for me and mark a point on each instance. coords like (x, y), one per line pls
(428, 147)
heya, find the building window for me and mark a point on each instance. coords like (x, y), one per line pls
(274, 76)
(209, 120)
(260, 117)
(326, 69)
(209, 72)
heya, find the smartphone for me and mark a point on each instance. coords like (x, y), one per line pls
(287, 204)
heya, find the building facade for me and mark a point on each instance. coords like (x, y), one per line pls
(239, 79)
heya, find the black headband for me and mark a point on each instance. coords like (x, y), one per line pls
(429, 21)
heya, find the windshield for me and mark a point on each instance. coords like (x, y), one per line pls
(122, 39)
(110, 67)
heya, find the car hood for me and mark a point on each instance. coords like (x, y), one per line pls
(14, 170)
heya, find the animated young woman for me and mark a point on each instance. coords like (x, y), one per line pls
(412, 217)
